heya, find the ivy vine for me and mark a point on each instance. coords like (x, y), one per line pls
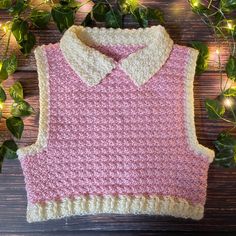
(218, 16)
(25, 17)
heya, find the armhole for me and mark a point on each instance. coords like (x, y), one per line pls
(189, 108)
(43, 83)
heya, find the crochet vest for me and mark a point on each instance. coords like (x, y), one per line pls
(116, 127)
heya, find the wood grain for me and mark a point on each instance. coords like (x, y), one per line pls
(220, 212)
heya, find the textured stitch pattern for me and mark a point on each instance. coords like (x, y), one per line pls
(117, 141)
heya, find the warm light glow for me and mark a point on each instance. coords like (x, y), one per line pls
(228, 102)
(1, 105)
(194, 3)
(4, 28)
(217, 51)
(132, 2)
(230, 25)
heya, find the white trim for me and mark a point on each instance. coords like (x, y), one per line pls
(189, 108)
(122, 204)
(43, 80)
(92, 66)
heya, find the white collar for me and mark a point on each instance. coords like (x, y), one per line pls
(92, 66)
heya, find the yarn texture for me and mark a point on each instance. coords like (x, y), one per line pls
(116, 127)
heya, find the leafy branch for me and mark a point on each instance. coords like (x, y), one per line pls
(218, 16)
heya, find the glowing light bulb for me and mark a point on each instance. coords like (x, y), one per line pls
(217, 51)
(230, 25)
(5, 28)
(195, 3)
(1, 105)
(228, 102)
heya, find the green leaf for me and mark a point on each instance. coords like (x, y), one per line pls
(128, 6)
(4, 4)
(18, 7)
(155, 14)
(3, 72)
(114, 19)
(28, 43)
(225, 150)
(199, 8)
(15, 126)
(16, 91)
(231, 68)
(19, 29)
(40, 18)
(203, 56)
(231, 92)
(214, 109)
(228, 5)
(141, 16)
(3, 95)
(71, 3)
(88, 21)
(218, 18)
(21, 109)
(99, 11)
(10, 64)
(63, 16)
(25, 39)
(8, 150)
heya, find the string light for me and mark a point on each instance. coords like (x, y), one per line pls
(1, 105)
(230, 25)
(228, 102)
(218, 51)
(5, 28)
(194, 3)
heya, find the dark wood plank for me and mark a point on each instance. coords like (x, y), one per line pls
(220, 213)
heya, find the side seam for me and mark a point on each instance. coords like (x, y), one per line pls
(189, 108)
(43, 80)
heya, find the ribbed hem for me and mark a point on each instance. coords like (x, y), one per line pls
(122, 204)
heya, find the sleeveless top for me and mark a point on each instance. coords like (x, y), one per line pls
(116, 127)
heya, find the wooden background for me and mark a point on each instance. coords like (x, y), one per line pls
(220, 211)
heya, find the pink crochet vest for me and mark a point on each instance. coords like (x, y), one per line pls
(116, 129)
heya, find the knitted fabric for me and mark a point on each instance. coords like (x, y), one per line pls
(116, 129)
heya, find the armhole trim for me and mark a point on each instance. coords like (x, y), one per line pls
(43, 83)
(189, 108)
